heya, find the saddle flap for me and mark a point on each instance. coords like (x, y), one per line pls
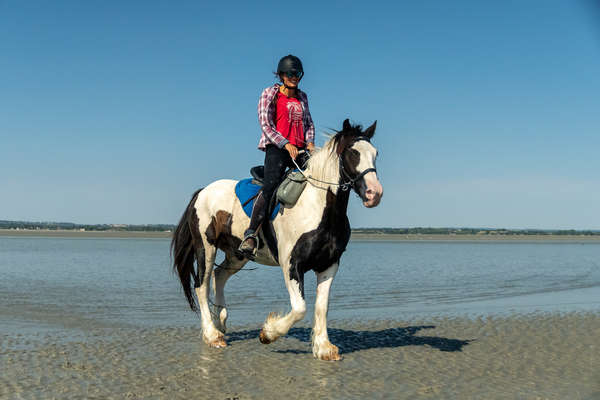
(246, 191)
(258, 173)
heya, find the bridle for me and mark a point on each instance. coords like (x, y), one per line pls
(351, 182)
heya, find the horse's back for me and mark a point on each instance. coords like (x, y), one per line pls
(217, 204)
(218, 195)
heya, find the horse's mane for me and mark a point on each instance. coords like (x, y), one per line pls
(324, 162)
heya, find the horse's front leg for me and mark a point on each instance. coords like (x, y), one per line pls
(322, 347)
(275, 325)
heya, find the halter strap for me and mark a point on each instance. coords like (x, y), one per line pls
(350, 183)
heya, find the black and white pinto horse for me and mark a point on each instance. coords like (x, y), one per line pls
(312, 235)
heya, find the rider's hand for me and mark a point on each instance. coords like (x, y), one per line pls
(310, 147)
(293, 150)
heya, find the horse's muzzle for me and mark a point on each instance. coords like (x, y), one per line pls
(373, 190)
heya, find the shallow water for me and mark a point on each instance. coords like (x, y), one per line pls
(77, 284)
(106, 318)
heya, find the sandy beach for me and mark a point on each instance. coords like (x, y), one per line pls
(537, 356)
(77, 322)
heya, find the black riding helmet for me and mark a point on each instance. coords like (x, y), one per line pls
(291, 66)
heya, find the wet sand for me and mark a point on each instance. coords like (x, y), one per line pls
(537, 356)
(355, 236)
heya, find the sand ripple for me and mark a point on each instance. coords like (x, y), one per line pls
(539, 356)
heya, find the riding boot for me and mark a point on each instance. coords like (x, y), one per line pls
(248, 245)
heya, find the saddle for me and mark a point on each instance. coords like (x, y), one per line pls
(286, 194)
(246, 191)
(288, 191)
(258, 174)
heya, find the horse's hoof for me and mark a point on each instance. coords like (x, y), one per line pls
(332, 355)
(263, 337)
(218, 343)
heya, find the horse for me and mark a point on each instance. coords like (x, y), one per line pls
(311, 235)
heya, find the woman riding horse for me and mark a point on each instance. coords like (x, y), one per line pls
(287, 128)
(310, 236)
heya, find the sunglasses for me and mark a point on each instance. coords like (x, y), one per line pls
(294, 74)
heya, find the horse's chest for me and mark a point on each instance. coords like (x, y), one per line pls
(319, 249)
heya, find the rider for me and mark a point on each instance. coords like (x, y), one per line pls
(287, 128)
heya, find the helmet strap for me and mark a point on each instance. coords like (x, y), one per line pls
(288, 90)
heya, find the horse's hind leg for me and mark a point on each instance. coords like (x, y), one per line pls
(222, 273)
(322, 347)
(210, 334)
(276, 326)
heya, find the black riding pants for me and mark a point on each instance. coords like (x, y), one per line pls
(276, 162)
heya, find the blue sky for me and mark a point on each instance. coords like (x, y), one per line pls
(116, 112)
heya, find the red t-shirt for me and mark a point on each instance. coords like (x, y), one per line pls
(288, 119)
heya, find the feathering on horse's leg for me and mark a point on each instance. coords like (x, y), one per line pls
(210, 334)
(222, 273)
(322, 347)
(276, 326)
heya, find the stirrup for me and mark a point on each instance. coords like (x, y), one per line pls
(246, 252)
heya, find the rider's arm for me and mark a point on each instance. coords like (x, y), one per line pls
(309, 126)
(266, 117)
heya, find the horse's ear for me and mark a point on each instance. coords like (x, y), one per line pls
(346, 125)
(370, 131)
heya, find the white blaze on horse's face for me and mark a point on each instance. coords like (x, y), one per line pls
(371, 191)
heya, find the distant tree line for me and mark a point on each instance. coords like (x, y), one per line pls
(474, 231)
(398, 231)
(53, 226)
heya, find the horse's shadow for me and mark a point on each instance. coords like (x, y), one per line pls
(350, 341)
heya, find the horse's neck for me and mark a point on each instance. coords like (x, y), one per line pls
(323, 188)
(324, 169)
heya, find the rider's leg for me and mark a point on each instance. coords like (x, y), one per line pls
(258, 215)
(276, 160)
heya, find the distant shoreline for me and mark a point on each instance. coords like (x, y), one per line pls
(69, 233)
(393, 237)
(378, 237)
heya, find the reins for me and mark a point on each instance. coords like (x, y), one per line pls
(350, 183)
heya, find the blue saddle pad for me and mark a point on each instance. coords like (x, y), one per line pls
(244, 190)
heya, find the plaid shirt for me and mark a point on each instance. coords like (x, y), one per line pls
(266, 117)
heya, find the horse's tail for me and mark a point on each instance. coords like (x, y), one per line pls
(183, 252)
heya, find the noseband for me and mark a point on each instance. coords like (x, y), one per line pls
(350, 181)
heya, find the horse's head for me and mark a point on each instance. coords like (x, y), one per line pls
(357, 162)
